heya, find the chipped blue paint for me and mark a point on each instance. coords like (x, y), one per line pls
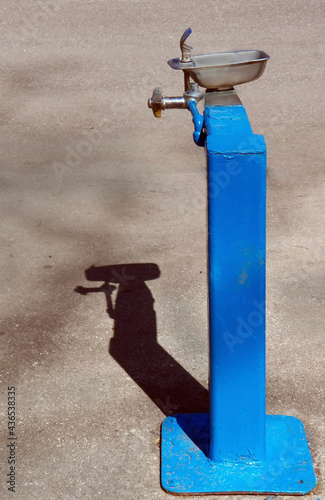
(237, 448)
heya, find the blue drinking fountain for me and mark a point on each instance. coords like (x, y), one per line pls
(235, 448)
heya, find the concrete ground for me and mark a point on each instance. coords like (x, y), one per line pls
(90, 178)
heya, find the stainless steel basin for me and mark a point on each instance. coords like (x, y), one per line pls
(223, 70)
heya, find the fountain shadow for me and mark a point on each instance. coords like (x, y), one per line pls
(134, 345)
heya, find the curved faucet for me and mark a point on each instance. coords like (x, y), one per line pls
(185, 49)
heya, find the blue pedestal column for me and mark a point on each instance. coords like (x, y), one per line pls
(236, 448)
(236, 215)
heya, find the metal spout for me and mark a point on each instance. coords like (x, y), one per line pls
(186, 49)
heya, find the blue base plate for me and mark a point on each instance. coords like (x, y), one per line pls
(185, 468)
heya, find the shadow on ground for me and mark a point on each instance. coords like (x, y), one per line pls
(134, 344)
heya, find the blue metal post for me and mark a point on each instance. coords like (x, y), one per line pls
(236, 208)
(236, 448)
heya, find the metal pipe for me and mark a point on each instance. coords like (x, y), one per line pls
(173, 102)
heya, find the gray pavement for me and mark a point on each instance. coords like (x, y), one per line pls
(90, 178)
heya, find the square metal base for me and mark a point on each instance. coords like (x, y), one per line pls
(185, 468)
